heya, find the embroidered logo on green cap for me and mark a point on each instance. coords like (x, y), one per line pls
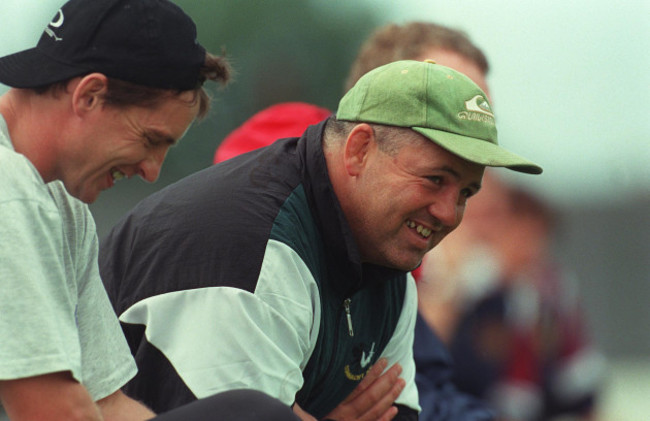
(478, 109)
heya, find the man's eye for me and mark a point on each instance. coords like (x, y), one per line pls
(151, 142)
(435, 179)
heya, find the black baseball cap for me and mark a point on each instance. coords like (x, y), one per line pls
(146, 42)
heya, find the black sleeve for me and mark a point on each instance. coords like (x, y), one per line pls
(240, 405)
(405, 414)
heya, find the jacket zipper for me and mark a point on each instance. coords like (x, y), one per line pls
(348, 315)
(346, 307)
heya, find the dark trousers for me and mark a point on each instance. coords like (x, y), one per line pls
(233, 405)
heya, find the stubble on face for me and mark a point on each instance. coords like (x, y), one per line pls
(394, 221)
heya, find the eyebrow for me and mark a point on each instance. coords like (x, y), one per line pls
(159, 137)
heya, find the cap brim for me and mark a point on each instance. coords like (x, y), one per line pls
(479, 151)
(31, 69)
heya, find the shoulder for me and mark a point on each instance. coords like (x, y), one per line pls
(209, 229)
(78, 223)
(19, 179)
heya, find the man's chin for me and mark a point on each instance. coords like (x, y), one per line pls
(406, 265)
(412, 267)
(399, 258)
(90, 198)
(416, 266)
(87, 197)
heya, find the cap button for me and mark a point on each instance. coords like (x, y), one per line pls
(430, 61)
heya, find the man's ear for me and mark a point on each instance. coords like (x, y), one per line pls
(357, 146)
(89, 93)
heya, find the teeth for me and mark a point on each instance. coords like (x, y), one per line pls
(117, 175)
(424, 232)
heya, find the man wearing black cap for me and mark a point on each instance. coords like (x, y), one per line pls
(111, 85)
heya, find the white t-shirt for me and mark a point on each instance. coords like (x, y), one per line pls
(54, 312)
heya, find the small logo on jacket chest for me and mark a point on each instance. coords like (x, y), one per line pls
(357, 370)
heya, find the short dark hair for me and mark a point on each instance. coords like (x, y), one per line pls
(121, 94)
(389, 138)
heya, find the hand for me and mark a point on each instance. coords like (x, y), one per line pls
(52, 396)
(118, 406)
(302, 414)
(373, 398)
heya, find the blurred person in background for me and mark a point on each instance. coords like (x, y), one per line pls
(421, 41)
(510, 312)
(96, 100)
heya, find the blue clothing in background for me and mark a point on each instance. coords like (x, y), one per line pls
(439, 397)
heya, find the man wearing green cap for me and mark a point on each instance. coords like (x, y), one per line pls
(286, 269)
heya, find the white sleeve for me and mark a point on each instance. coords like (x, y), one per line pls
(221, 338)
(106, 361)
(38, 326)
(400, 347)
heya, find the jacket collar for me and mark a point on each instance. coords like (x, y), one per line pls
(340, 247)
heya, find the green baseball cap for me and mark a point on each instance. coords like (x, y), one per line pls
(440, 103)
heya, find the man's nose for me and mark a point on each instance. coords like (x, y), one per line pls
(150, 167)
(447, 209)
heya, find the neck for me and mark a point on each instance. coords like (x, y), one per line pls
(335, 170)
(34, 122)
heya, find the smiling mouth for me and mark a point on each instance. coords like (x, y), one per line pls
(423, 231)
(117, 174)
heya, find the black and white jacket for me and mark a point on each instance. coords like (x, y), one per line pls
(246, 275)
